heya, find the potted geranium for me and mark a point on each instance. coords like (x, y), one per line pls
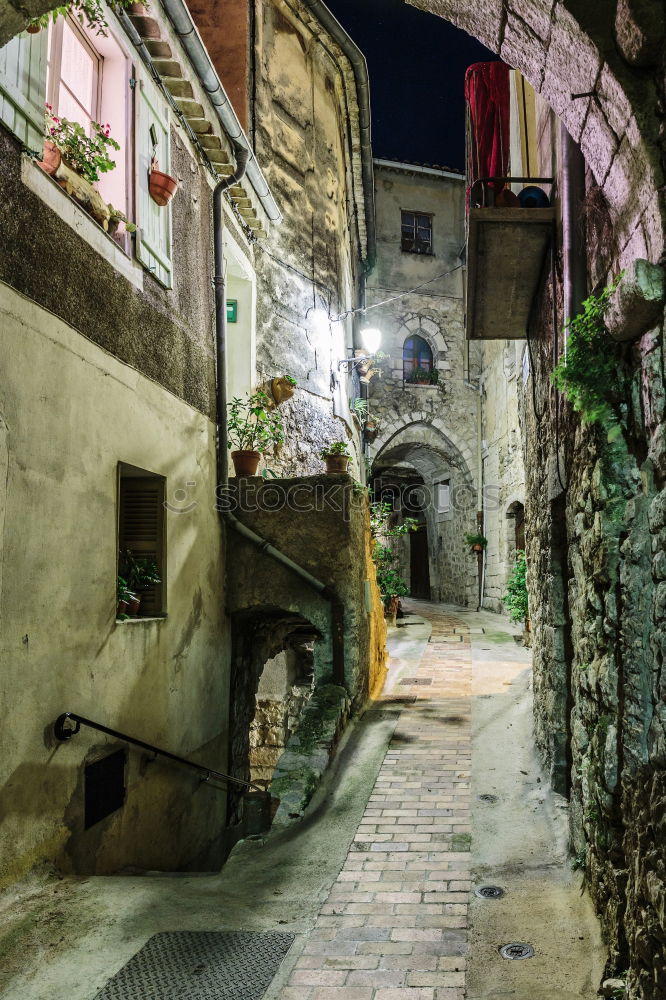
(336, 456)
(283, 388)
(476, 542)
(252, 430)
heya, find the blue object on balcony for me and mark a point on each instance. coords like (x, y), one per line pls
(533, 197)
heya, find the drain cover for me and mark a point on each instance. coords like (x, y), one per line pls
(516, 951)
(487, 797)
(416, 680)
(489, 892)
(200, 965)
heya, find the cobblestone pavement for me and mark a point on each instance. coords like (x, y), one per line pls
(394, 926)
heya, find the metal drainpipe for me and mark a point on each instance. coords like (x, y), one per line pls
(337, 607)
(573, 245)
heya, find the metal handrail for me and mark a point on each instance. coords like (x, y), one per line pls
(62, 733)
(507, 180)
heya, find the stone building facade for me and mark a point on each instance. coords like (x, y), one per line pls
(594, 507)
(427, 442)
(109, 409)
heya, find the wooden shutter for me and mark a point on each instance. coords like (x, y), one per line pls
(153, 240)
(23, 87)
(142, 530)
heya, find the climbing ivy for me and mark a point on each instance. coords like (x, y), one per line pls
(516, 590)
(389, 580)
(589, 374)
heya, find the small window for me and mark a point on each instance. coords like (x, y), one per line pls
(443, 496)
(141, 534)
(416, 353)
(416, 233)
(104, 787)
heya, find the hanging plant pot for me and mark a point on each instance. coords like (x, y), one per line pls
(477, 548)
(335, 464)
(51, 158)
(245, 462)
(371, 430)
(282, 389)
(34, 29)
(161, 187)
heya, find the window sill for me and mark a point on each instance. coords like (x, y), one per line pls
(71, 213)
(419, 385)
(417, 253)
(132, 621)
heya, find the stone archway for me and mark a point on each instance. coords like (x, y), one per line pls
(563, 48)
(421, 426)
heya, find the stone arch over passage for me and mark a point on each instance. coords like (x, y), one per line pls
(419, 427)
(616, 122)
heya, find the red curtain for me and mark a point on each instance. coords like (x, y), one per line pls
(487, 96)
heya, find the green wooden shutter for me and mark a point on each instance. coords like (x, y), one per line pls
(142, 530)
(23, 87)
(153, 240)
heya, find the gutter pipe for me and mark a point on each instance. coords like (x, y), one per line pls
(190, 39)
(360, 68)
(337, 607)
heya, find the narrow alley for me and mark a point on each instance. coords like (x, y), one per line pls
(436, 792)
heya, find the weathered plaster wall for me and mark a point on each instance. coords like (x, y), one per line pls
(72, 412)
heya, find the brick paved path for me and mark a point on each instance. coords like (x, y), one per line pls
(394, 924)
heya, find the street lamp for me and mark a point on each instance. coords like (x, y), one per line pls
(371, 338)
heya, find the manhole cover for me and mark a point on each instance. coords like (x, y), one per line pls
(200, 965)
(487, 797)
(489, 892)
(516, 951)
(416, 680)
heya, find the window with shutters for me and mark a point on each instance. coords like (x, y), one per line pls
(141, 528)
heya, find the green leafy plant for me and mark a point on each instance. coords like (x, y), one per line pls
(117, 215)
(476, 539)
(90, 12)
(124, 591)
(420, 375)
(290, 380)
(386, 560)
(360, 407)
(336, 448)
(87, 155)
(588, 375)
(251, 425)
(578, 862)
(141, 572)
(516, 590)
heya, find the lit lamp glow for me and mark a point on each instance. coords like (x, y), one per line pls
(371, 338)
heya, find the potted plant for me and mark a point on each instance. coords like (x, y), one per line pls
(476, 542)
(124, 598)
(252, 430)
(90, 12)
(115, 218)
(161, 187)
(336, 456)
(423, 376)
(282, 388)
(372, 428)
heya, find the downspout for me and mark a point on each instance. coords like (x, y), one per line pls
(189, 37)
(337, 607)
(573, 244)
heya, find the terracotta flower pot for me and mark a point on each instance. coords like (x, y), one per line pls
(121, 608)
(245, 462)
(51, 157)
(281, 389)
(477, 548)
(34, 29)
(134, 606)
(161, 187)
(336, 463)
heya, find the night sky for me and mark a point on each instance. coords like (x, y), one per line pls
(417, 64)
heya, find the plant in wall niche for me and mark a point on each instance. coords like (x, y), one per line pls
(252, 430)
(336, 456)
(125, 597)
(140, 574)
(90, 12)
(84, 154)
(423, 376)
(516, 590)
(588, 375)
(476, 542)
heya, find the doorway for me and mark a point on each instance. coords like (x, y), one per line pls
(418, 564)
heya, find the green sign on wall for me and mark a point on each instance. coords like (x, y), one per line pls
(232, 310)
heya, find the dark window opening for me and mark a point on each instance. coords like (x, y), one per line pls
(416, 233)
(104, 787)
(141, 534)
(416, 353)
